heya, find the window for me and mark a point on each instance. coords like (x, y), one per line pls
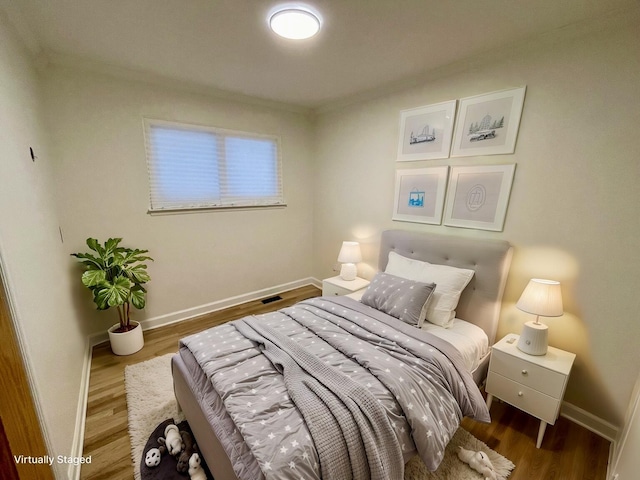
(192, 167)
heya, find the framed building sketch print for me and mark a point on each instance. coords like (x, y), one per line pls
(488, 124)
(478, 196)
(420, 194)
(425, 132)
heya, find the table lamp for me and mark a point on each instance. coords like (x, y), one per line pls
(542, 298)
(349, 255)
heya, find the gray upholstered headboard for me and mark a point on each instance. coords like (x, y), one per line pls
(490, 259)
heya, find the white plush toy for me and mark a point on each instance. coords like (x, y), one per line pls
(195, 469)
(172, 439)
(153, 457)
(479, 461)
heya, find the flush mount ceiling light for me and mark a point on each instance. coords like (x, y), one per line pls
(294, 23)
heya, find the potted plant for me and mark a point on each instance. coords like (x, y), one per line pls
(115, 275)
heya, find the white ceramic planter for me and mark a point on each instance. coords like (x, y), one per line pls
(126, 343)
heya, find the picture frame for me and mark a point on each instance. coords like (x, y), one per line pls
(425, 132)
(419, 194)
(488, 124)
(478, 196)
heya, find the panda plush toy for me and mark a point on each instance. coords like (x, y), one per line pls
(153, 456)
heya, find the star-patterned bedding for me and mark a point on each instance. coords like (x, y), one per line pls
(417, 379)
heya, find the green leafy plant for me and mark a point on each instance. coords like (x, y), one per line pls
(115, 276)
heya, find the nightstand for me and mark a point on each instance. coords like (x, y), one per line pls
(337, 286)
(534, 384)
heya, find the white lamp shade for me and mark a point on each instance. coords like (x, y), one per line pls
(350, 253)
(541, 297)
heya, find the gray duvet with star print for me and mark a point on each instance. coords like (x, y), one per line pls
(420, 386)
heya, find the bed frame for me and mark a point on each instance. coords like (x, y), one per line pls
(479, 304)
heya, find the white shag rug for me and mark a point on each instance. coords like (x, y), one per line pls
(452, 468)
(150, 401)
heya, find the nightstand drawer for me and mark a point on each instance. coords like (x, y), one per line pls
(528, 374)
(329, 290)
(336, 286)
(527, 399)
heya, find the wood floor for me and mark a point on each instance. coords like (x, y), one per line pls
(569, 452)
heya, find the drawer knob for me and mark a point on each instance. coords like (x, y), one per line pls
(524, 372)
(520, 394)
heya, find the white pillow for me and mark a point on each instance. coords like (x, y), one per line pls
(450, 282)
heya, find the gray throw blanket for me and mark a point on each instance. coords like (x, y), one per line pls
(312, 390)
(341, 414)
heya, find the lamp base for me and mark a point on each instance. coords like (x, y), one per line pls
(534, 338)
(348, 271)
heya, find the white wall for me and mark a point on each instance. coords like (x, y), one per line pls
(95, 121)
(34, 261)
(573, 210)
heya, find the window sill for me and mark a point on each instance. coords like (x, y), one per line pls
(181, 211)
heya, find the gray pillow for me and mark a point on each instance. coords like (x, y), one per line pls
(398, 297)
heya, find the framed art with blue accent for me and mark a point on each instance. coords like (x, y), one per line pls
(419, 194)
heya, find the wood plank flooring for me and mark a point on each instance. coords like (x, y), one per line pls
(569, 452)
(106, 435)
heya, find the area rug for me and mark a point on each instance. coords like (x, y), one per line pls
(150, 402)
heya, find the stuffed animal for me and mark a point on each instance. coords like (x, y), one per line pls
(479, 461)
(195, 469)
(153, 456)
(190, 448)
(172, 440)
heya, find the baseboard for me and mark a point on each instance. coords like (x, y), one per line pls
(589, 421)
(77, 445)
(181, 315)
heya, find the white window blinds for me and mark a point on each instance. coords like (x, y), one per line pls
(192, 167)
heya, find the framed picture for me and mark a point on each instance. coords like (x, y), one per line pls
(488, 124)
(425, 132)
(420, 194)
(478, 196)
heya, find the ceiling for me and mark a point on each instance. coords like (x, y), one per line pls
(364, 45)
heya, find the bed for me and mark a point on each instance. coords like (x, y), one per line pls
(356, 381)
